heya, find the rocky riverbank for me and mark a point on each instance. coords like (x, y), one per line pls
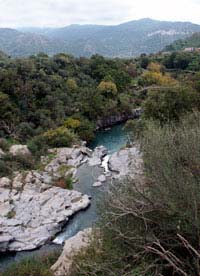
(118, 118)
(125, 163)
(33, 208)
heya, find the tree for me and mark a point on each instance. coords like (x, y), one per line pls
(108, 88)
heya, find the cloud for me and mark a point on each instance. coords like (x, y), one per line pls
(17, 13)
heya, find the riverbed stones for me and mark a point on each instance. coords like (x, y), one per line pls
(20, 150)
(64, 265)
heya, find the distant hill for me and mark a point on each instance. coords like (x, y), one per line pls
(16, 43)
(190, 42)
(125, 40)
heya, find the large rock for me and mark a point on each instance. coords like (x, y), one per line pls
(126, 162)
(5, 182)
(20, 150)
(97, 156)
(64, 265)
(31, 216)
(71, 157)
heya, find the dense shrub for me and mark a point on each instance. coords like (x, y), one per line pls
(152, 227)
(169, 104)
(54, 138)
(10, 164)
(32, 266)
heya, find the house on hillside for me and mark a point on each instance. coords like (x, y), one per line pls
(189, 49)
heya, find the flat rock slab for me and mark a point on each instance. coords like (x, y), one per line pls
(30, 218)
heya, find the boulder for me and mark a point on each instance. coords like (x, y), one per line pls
(126, 162)
(22, 150)
(97, 184)
(102, 178)
(64, 265)
(5, 182)
(97, 156)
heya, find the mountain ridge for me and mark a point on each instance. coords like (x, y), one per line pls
(125, 40)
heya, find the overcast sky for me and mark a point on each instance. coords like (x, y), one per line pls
(56, 13)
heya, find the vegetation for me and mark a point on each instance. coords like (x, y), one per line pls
(124, 40)
(153, 222)
(32, 266)
(148, 226)
(192, 41)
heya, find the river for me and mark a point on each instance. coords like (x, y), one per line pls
(113, 139)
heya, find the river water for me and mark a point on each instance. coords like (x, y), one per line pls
(113, 139)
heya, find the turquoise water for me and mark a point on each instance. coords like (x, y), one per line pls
(113, 139)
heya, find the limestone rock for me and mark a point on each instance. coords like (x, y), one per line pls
(36, 216)
(20, 150)
(126, 162)
(64, 265)
(102, 178)
(5, 182)
(97, 156)
(97, 184)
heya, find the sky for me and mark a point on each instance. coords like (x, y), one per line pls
(58, 13)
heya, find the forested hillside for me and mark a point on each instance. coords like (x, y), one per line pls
(51, 102)
(43, 92)
(125, 40)
(190, 42)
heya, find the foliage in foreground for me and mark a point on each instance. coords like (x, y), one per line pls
(152, 228)
(32, 266)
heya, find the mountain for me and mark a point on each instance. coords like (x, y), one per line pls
(16, 43)
(125, 40)
(190, 42)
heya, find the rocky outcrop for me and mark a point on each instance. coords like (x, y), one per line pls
(64, 265)
(126, 162)
(31, 214)
(32, 209)
(97, 156)
(118, 118)
(5, 182)
(23, 150)
(33, 205)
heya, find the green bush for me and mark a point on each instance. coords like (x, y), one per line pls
(4, 145)
(54, 138)
(69, 183)
(151, 226)
(32, 266)
(10, 163)
(169, 104)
